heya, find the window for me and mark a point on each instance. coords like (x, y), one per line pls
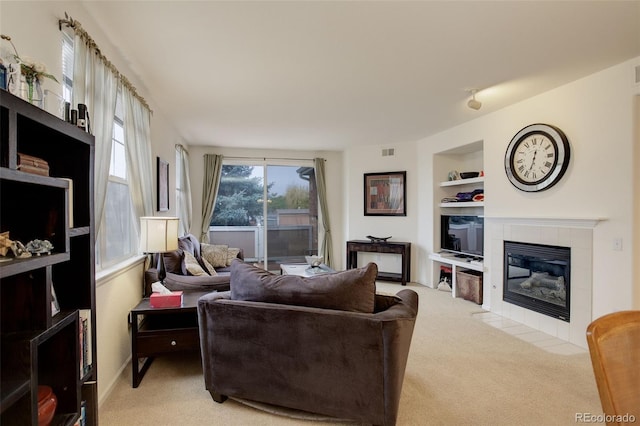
(117, 238)
(284, 228)
(67, 65)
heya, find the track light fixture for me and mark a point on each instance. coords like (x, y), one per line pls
(473, 103)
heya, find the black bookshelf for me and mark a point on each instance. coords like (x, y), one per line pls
(40, 347)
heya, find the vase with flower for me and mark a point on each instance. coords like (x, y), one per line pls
(33, 73)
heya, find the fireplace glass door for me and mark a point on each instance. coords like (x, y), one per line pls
(537, 277)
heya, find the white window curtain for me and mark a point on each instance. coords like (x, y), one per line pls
(184, 206)
(96, 86)
(137, 132)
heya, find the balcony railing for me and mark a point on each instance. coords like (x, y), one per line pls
(285, 244)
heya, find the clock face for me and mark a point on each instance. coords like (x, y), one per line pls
(534, 157)
(537, 157)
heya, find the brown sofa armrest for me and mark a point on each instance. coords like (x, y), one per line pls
(177, 282)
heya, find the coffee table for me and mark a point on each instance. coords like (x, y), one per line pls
(302, 269)
(157, 331)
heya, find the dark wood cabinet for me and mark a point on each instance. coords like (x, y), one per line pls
(157, 331)
(40, 346)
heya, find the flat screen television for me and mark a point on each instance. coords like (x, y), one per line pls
(462, 235)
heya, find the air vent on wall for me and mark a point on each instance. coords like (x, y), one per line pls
(388, 152)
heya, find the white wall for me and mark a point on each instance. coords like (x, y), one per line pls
(369, 159)
(597, 114)
(334, 181)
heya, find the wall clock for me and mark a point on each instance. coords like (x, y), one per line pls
(537, 157)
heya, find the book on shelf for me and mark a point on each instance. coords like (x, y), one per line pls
(82, 420)
(86, 357)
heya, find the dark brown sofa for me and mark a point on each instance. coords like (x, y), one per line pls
(340, 363)
(178, 277)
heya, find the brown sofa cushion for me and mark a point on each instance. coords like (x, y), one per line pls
(352, 290)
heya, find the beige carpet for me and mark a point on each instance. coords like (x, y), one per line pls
(461, 371)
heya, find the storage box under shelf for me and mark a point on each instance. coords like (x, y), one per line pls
(469, 285)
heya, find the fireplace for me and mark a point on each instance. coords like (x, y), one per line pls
(537, 277)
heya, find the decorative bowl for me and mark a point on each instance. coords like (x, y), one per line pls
(47, 403)
(314, 261)
(468, 175)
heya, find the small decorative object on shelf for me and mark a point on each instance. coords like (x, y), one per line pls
(19, 250)
(33, 73)
(453, 175)
(39, 247)
(378, 239)
(47, 403)
(5, 243)
(33, 165)
(469, 175)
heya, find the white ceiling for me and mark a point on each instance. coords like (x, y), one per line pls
(327, 75)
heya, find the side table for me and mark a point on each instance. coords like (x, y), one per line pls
(395, 247)
(156, 331)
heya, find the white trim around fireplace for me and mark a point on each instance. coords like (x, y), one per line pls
(574, 233)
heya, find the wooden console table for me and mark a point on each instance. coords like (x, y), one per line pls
(393, 247)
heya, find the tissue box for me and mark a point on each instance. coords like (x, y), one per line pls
(173, 300)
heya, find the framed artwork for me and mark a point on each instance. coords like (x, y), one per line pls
(163, 185)
(385, 194)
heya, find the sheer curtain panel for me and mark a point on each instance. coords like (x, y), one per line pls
(139, 158)
(96, 86)
(184, 208)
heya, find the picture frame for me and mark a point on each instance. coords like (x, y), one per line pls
(163, 185)
(385, 194)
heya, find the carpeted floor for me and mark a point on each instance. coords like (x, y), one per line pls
(462, 370)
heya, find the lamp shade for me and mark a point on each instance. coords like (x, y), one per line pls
(158, 234)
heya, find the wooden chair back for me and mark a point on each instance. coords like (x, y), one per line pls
(614, 346)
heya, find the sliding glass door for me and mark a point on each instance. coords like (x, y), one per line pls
(273, 223)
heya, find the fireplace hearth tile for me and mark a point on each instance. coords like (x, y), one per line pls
(535, 336)
(517, 330)
(529, 335)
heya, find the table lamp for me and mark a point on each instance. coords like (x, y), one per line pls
(159, 234)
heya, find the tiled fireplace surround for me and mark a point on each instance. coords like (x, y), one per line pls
(574, 233)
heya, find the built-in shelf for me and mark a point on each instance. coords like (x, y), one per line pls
(459, 182)
(464, 158)
(467, 263)
(457, 262)
(463, 204)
